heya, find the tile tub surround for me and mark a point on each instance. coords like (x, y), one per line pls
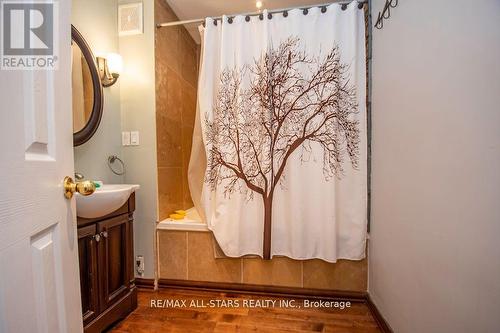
(176, 70)
(188, 255)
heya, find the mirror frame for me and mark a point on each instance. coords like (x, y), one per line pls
(92, 124)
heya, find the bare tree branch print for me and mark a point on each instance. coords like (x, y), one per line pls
(266, 111)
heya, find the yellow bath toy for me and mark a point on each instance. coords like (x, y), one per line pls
(181, 212)
(177, 216)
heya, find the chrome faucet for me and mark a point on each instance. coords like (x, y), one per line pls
(79, 176)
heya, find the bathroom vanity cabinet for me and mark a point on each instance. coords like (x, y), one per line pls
(105, 248)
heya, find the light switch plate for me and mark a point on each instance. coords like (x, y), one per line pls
(134, 138)
(125, 138)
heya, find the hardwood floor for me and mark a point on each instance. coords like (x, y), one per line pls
(235, 314)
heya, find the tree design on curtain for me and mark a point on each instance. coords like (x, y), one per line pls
(266, 111)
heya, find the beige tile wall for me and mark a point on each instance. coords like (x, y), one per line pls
(188, 255)
(176, 68)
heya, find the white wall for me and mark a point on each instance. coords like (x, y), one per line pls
(435, 232)
(138, 114)
(97, 21)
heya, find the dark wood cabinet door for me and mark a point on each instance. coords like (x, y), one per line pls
(114, 262)
(87, 252)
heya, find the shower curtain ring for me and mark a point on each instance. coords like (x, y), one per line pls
(386, 13)
(393, 5)
(380, 21)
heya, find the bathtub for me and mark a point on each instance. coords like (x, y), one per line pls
(192, 222)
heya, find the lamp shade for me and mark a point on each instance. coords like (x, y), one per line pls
(115, 63)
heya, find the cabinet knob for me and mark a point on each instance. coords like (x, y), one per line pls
(97, 237)
(104, 234)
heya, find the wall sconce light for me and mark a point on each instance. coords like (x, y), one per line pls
(109, 68)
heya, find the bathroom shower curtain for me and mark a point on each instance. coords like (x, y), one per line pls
(282, 113)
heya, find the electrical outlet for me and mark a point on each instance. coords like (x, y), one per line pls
(139, 265)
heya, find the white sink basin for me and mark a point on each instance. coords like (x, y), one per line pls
(106, 199)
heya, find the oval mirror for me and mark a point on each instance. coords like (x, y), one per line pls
(87, 90)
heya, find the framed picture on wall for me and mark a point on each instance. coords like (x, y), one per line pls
(130, 19)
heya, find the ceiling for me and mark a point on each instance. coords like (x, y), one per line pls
(194, 9)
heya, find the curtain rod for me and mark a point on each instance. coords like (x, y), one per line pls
(272, 11)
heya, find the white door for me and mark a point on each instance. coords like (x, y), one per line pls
(39, 279)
